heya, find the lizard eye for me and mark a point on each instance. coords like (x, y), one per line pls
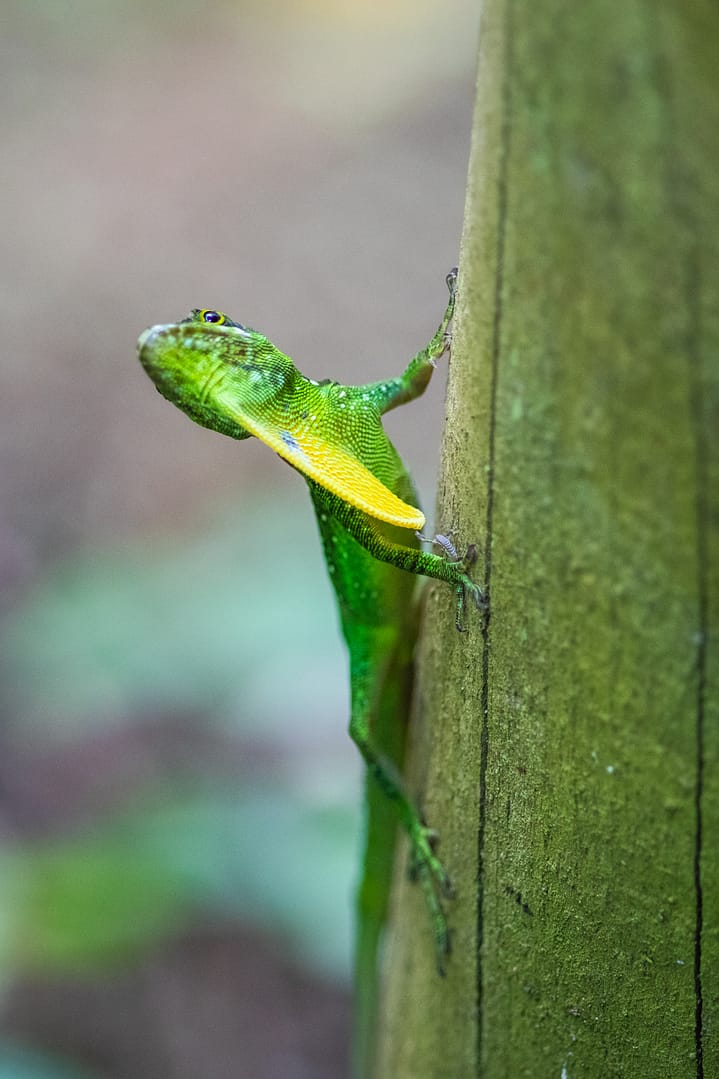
(212, 316)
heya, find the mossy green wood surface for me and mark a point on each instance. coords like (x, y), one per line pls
(569, 756)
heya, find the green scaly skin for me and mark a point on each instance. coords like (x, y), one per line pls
(231, 379)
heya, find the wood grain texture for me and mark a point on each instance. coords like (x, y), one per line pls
(569, 754)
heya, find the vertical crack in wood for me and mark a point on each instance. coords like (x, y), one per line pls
(502, 196)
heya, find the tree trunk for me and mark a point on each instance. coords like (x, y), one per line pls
(568, 752)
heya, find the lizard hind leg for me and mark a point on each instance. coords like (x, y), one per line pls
(386, 782)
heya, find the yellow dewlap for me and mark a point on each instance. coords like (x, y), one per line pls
(334, 468)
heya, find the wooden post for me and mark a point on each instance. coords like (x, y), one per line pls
(568, 754)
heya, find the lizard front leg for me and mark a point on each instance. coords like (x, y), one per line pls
(364, 529)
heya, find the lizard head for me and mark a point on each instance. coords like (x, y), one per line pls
(231, 379)
(209, 366)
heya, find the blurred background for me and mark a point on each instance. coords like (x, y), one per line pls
(179, 800)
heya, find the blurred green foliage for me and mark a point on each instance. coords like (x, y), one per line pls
(193, 623)
(98, 900)
(189, 626)
(20, 1063)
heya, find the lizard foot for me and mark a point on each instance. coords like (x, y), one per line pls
(428, 871)
(467, 588)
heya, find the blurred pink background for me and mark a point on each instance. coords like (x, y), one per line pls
(179, 801)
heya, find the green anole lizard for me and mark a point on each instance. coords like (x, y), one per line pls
(231, 379)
